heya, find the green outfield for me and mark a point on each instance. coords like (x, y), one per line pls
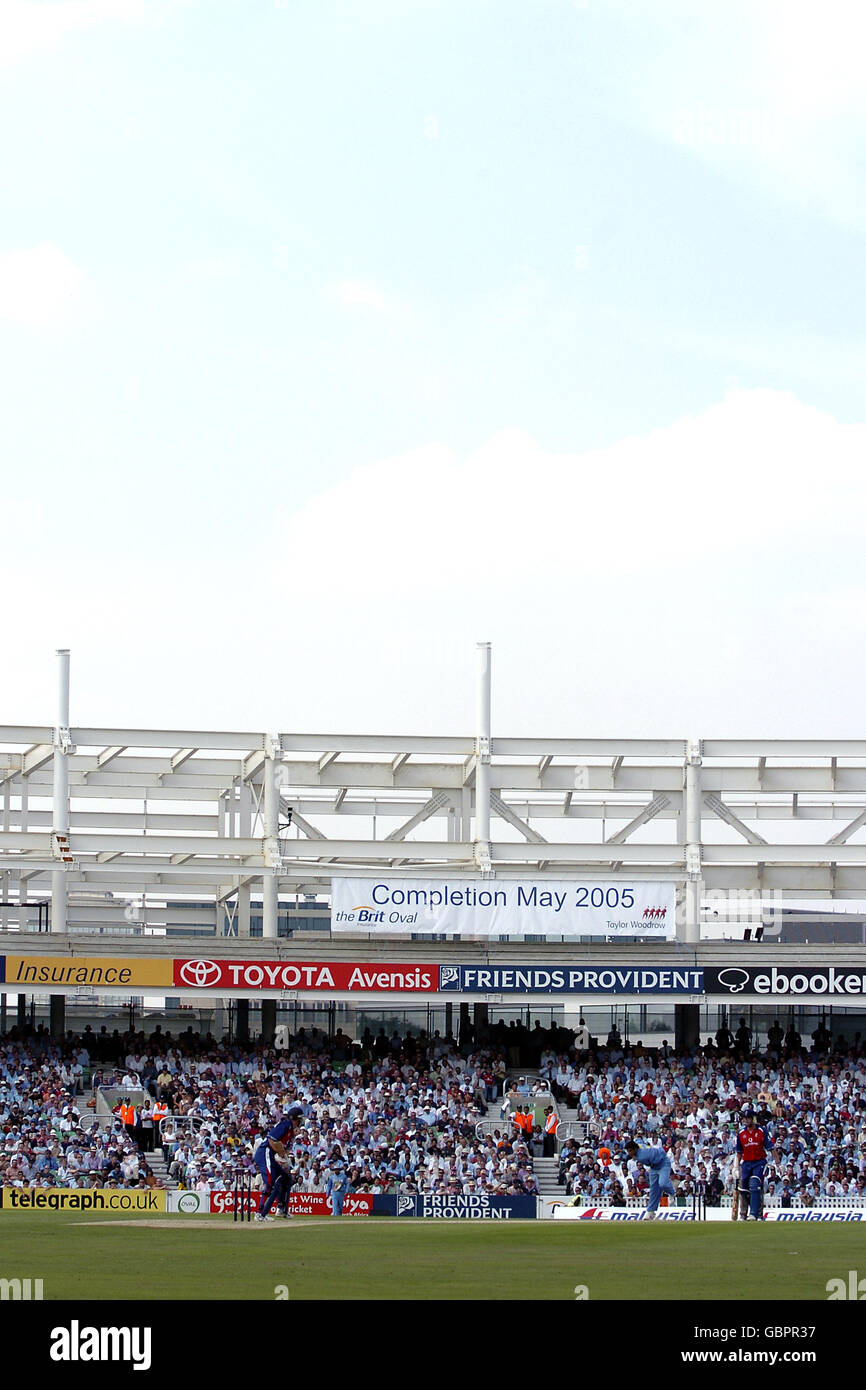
(211, 1258)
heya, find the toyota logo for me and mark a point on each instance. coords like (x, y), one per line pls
(200, 973)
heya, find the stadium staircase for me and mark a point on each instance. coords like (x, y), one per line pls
(546, 1175)
(156, 1161)
(546, 1169)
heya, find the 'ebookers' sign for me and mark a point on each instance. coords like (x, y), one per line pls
(508, 907)
(787, 980)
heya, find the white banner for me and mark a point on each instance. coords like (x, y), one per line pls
(561, 1210)
(507, 907)
(188, 1203)
(563, 1213)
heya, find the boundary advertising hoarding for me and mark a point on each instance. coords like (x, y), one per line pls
(560, 1212)
(82, 1199)
(569, 979)
(331, 978)
(231, 976)
(96, 972)
(486, 981)
(831, 982)
(300, 1203)
(472, 1208)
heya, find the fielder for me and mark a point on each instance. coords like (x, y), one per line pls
(659, 1165)
(337, 1182)
(752, 1145)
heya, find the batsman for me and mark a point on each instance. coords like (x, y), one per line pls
(753, 1141)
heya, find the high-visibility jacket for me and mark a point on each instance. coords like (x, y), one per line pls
(551, 1124)
(127, 1114)
(160, 1110)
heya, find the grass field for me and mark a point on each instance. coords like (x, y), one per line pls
(201, 1258)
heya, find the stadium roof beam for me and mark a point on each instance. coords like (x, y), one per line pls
(252, 765)
(847, 831)
(226, 891)
(436, 803)
(718, 808)
(649, 812)
(36, 757)
(460, 747)
(182, 756)
(109, 754)
(290, 812)
(499, 808)
(128, 776)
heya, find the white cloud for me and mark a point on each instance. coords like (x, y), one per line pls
(702, 579)
(220, 265)
(37, 286)
(356, 294)
(769, 90)
(27, 27)
(755, 467)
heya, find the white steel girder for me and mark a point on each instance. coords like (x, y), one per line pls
(397, 783)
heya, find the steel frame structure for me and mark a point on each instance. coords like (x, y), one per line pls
(191, 817)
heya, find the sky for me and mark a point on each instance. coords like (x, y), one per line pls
(337, 336)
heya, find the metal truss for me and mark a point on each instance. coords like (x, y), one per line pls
(197, 817)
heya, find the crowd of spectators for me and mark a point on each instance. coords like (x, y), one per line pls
(404, 1112)
(690, 1102)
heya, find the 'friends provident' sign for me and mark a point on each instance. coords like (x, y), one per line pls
(512, 907)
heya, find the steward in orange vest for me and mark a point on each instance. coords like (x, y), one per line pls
(127, 1117)
(551, 1125)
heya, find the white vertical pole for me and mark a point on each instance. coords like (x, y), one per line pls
(25, 820)
(245, 825)
(5, 876)
(61, 788)
(271, 810)
(482, 760)
(692, 925)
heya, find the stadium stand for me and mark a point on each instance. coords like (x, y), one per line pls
(418, 1114)
(406, 1113)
